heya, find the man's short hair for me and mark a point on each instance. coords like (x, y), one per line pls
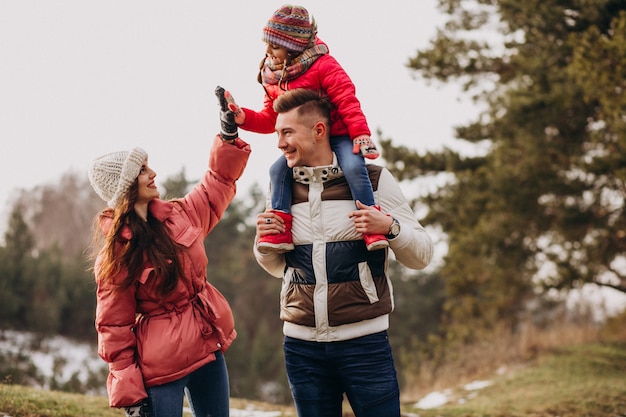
(307, 101)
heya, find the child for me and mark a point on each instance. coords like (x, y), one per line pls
(297, 58)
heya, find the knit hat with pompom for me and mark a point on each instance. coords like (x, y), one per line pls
(290, 28)
(112, 175)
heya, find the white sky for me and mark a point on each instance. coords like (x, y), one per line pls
(80, 78)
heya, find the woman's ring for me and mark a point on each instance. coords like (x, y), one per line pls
(268, 220)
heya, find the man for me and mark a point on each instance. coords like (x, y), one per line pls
(336, 295)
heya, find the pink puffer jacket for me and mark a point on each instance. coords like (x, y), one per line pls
(148, 341)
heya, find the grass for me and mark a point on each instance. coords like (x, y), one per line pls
(580, 380)
(20, 401)
(585, 380)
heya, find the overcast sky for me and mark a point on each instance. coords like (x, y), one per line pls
(80, 78)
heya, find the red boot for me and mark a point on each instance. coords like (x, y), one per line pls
(375, 242)
(280, 242)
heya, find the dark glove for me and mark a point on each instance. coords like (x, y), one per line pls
(227, 117)
(141, 409)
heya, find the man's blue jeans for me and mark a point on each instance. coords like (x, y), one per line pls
(206, 390)
(362, 368)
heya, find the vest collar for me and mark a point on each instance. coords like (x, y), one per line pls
(318, 174)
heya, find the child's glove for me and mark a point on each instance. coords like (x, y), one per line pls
(364, 145)
(141, 409)
(227, 117)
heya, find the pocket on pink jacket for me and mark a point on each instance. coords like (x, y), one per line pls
(223, 315)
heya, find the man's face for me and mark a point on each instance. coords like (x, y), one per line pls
(296, 139)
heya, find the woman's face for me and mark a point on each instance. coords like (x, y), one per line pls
(147, 189)
(277, 54)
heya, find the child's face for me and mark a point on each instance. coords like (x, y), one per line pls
(278, 54)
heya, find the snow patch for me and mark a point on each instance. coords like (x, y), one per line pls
(434, 400)
(54, 357)
(476, 385)
(253, 413)
(437, 399)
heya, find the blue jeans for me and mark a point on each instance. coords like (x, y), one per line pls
(353, 167)
(206, 390)
(320, 373)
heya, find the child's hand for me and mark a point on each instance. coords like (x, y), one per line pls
(240, 116)
(364, 145)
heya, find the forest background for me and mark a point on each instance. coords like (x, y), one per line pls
(534, 213)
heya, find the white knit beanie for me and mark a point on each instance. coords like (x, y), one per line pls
(111, 175)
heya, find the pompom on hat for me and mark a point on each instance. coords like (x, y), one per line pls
(112, 175)
(290, 28)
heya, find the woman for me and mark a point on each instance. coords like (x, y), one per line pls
(161, 326)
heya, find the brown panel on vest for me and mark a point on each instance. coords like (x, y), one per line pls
(334, 189)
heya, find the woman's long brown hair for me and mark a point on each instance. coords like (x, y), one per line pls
(149, 242)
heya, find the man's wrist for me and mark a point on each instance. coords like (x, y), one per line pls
(394, 229)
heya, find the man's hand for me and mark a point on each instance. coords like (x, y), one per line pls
(364, 145)
(369, 220)
(269, 223)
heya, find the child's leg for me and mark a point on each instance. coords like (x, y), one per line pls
(280, 185)
(280, 193)
(354, 169)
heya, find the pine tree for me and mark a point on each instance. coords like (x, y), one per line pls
(543, 207)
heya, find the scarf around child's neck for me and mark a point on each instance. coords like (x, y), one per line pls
(278, 73)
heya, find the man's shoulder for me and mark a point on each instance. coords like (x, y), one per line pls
(374, 168)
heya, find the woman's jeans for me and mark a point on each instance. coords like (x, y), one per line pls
(352, 165)
(206, 390)
(320, 372)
